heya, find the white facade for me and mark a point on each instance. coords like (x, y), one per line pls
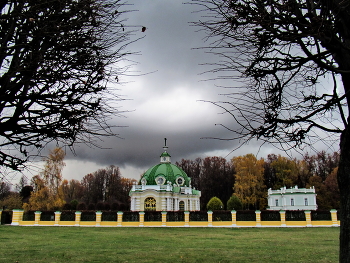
(292, 199)
(166, 198)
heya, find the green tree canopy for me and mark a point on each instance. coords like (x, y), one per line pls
(234, 203)
(215, 204)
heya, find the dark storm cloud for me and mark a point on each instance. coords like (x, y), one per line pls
(165, 102)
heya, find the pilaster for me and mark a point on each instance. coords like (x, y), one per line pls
(77, 218)
(210, 218)
(334, 217)
(283, 217)
(98, 218)
(234, 217)
(164, 218)
(17, 216)
(142, 218)
(258, 218)
(308, 217)
(37, 218)
(57, 218)
(119, 218)
(187, 218)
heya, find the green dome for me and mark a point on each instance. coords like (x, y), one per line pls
(164, 173)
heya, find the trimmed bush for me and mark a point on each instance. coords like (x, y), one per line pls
(91, 207)
(67, 206)
(74, 203)
(81, 206)
(99, 206)
(107, 207)
(234, 203)
(115, 207)
(215, 204)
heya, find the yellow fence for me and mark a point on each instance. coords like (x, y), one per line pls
(17, 220)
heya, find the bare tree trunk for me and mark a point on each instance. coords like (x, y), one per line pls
(344, 183)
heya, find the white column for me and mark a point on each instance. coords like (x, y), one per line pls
(132, 205)
(176, 204)
(168, 205)
(164, 203)
(137, 203)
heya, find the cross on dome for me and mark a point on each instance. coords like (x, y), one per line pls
(165, 157)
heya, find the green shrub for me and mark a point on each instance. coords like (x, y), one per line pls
(74, 203)
(234, 203)
(215, 204)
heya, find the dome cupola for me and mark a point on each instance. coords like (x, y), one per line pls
(165, 173)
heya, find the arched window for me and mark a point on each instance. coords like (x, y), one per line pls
(150, 204)
(182, 206)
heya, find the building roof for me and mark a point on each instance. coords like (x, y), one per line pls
(165, 173)
(169, 172)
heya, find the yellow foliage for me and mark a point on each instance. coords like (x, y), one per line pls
(47, 194)
(249, 179)
(12, 201)
(42, 200)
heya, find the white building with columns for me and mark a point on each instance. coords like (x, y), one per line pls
(293, 198)
(164, 187)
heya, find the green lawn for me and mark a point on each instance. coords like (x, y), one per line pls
(85, 244)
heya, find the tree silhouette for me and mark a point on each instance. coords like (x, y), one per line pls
(58, 60)
(278, 54)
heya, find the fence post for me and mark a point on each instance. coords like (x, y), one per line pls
(283, 217)
(57, 218)
(77, 218)
(234, 217)
(308, 217)
(164, 218)
(17, 216)
(210, 218)
(98, 218)
(187, 218)
(142, 218)
(258, 218)
(37, 218)
(120, 218)
(334, 217)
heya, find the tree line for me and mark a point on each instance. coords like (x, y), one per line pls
(249, 178)
(104, 189)
(245, 178)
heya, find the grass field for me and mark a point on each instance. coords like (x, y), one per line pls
(83, 244)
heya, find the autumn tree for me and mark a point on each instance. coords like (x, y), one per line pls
(286, 172)
(249, 181)
(12, 201)
(48, 193)
(58, 62)
(72, 190)
(291, 64)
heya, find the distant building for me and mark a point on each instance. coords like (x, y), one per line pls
(292, 199)
(164, 187)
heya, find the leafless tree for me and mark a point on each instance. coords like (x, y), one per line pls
(60, 62)
(289, 66)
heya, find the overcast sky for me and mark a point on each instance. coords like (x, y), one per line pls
(166, 103)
